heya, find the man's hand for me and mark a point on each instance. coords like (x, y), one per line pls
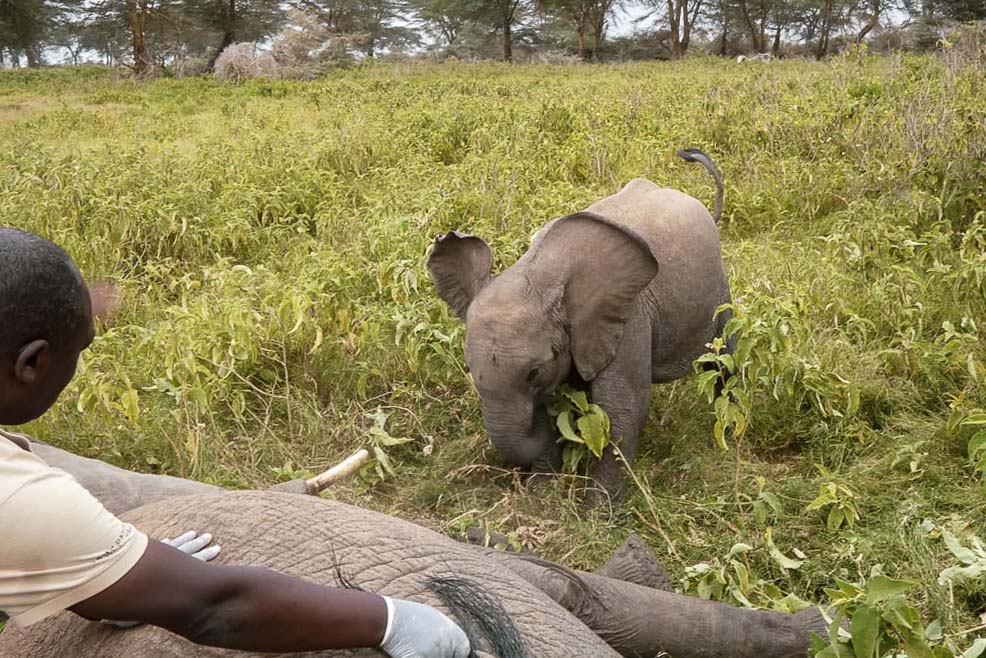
(419, 631)
(190, 543)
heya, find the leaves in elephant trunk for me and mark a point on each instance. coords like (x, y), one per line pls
(584, 427)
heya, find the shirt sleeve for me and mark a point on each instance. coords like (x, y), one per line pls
(59, 546)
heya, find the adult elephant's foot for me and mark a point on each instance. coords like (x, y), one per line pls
(812, 620)
(635, 562)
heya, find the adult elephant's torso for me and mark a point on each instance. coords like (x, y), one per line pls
(314, 539)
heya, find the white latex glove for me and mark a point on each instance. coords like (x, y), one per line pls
(190, 543)
(419, 631)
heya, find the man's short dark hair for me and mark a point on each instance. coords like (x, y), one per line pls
(42, 292)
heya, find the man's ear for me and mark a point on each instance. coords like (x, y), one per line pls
(31, 360)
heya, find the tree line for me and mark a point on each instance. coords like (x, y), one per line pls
(147, 34)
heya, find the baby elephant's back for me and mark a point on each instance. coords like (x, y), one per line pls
(678, 228)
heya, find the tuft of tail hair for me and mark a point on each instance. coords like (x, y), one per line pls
(701, 157)
(480, 615)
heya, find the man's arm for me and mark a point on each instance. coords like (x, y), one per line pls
(239, 607)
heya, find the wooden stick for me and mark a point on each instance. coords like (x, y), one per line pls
(340, 471)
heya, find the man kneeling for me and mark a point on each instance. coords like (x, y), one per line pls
(61, 550)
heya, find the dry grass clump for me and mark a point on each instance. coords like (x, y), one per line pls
(241, 61)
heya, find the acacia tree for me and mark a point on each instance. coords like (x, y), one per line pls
(588, 17)
(505, 13)
(755, 14)
(599, 16)
(447, 18)
(135, 18)
(682, 16)
(22, 25)
(375, 24)
(234, 20)
(138, 14)
(577, 13)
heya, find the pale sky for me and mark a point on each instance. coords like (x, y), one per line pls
(622, 20)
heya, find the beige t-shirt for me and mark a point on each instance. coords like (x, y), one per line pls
(58, 545)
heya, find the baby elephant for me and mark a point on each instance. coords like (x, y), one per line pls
(618, 296)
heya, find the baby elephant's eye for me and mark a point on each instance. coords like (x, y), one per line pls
(533, 374)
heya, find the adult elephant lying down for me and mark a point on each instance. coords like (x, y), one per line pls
(515, 606)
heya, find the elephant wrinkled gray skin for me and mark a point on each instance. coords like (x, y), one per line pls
(623, 609)
(559, 613)
(619, 296)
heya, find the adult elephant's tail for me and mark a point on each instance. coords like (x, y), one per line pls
(481, 616)
(700, 156)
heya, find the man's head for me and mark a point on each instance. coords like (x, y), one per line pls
(45, 324)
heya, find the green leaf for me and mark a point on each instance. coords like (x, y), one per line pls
(594, 433)
(865, 630)
(976, 650)
(738, 549)
(902, 615)
(705, 384)
(759, 512)
(783, 561)
(881, 588)
(773, 501)
(975, 418)
(977, 451)
(564, 422)
(836, 518)
(384, 461)
(577, 398)
(129, 402)
(826, 496)
(966, 555)
(381, 437)
(933, 632)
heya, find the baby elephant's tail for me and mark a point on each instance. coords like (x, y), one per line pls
(698, 155)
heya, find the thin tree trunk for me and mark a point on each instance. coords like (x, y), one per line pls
(143, 64)
(674, 18)
(871, 24)
(686, 36)
(690, 20)
(581, 32)
(776, 50)
(725, 28)
(508, 51)
(33, 53)
(745, 10)
(229, 32)
(826, 27)
(763, 30)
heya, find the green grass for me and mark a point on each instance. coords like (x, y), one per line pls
(270, 239)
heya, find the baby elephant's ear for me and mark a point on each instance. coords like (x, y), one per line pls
(460, 265)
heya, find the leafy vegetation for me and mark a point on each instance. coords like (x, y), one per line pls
(583, 426)
(270, 240)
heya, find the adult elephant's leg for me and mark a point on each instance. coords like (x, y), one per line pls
(623, 390)
(644, 622)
